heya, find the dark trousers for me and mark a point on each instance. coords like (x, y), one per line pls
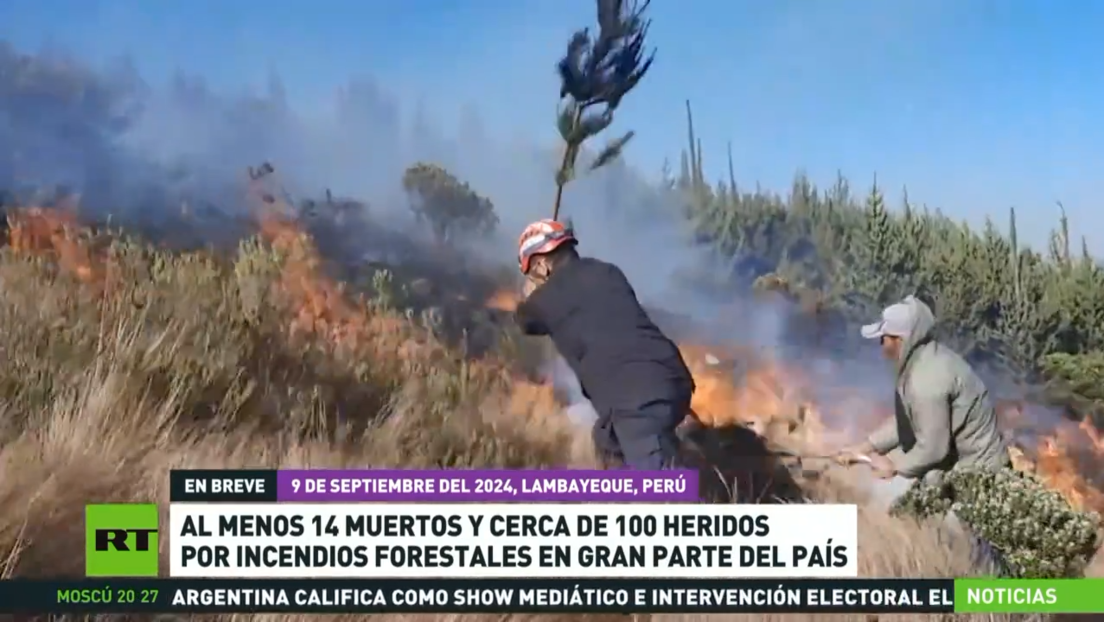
(641, 438)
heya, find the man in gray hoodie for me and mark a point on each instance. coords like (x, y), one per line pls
(943, 415)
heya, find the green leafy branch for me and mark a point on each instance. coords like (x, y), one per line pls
(595, 75)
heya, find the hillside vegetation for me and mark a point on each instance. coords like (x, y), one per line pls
(1034, 318)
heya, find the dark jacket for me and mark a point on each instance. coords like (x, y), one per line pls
(622, 359)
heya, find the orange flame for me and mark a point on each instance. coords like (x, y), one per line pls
(1061, 456)
(503, 300)
(320, 302)
(1055, 466)
(53, 231)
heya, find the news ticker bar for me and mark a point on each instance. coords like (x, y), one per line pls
(432, 486)
(197, 596)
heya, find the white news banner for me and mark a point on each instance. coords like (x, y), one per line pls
(512, 540)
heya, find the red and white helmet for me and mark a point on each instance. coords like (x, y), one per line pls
(543, 236)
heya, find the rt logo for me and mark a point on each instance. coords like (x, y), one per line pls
(120, 540)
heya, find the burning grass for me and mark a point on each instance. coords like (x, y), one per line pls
(123, 361)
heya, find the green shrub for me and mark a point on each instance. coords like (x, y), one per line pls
(1035, 530)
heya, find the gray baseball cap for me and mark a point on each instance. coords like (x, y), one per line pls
(897, 321)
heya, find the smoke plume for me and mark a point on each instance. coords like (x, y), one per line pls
(142, 154)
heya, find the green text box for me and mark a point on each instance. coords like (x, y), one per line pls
(1029, 595)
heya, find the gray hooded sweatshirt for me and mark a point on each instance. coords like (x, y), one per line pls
(943, 415)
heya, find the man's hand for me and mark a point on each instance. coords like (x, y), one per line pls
(529, 287)
(882, 467)
(849, 458)
(857, 454)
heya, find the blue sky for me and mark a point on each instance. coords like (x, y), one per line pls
(976, 105)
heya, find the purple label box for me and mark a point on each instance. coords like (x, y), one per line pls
(453, 486)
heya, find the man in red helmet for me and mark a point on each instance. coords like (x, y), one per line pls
(633, 375)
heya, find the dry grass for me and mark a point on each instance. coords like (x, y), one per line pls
(179, 361)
